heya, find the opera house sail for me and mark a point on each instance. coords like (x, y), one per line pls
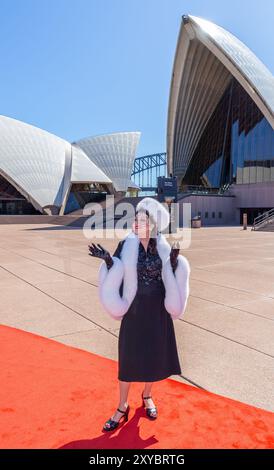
(220, 128)
(45, 174)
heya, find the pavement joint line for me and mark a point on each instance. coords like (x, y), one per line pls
(45, 251)
(54, 254)
(80, 314)
(58, 301)
(86, 331)
(198, 280)
(76, 332)
(108, 331)
(233, 288)
(234, 307)
(226, 337)
(227, 287)
(193, 383)
(54, 269)
(206, 300)
(50, 253)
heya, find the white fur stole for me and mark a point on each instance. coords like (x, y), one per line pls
(125, 269)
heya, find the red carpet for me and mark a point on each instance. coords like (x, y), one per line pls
(55, 396)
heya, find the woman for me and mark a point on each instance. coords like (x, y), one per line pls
(145, 284)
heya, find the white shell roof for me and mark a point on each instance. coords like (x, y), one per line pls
(246, 61)
(33, 160)
(206, 58)
(114, 154)
(84, 170)
(42, 166)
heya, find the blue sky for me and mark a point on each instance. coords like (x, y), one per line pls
(84, 67)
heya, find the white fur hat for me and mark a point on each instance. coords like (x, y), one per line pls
(159, 213)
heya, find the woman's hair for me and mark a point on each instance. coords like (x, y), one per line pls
(154, 231)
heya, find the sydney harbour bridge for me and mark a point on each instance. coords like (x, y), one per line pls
(146, 169)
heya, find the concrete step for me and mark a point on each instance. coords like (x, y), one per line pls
(73, 219)
(27, 219)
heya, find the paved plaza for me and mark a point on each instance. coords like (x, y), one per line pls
(49, 286)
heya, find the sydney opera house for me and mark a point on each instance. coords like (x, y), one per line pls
(220, 138)
(220, 131)
(41, 173)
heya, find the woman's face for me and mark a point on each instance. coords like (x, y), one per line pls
(142, 225)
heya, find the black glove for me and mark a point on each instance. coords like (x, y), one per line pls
(100, 253)
(174, 252)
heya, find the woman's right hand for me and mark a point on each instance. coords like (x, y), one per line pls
(99, 252)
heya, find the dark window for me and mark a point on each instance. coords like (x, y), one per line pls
(13, 202)
(220, 215)
(236, 145)
(82, 194)
(213, 215)
(206, 215)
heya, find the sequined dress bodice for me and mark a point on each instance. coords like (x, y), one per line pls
(149, 267)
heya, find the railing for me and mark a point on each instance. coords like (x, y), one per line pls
(263, 219)
(225, 187)
(200, 189)
(191, 188)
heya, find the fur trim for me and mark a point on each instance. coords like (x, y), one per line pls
(109, 284)
(125, 269)
(177, 287)
(129, 258)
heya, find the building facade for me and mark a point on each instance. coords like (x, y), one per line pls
(220, 131)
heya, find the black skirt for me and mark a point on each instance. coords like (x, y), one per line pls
(147, 342)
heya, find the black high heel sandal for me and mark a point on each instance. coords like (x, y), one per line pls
(149, 411)
(114, 424)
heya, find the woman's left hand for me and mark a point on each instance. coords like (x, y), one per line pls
(174, 252)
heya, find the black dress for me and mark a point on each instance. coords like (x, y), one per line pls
(147, 343)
